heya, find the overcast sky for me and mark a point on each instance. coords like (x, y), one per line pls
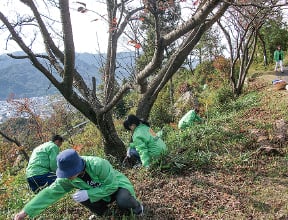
(86, 30)
(89, 29)
(89, 34)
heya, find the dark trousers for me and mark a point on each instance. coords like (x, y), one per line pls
(123, 198)
(37, 183)
(134, 154)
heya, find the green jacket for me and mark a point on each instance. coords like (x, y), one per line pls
(277, 54)
(100, 170)
(188, 119)
(147, 144)
(43, 159)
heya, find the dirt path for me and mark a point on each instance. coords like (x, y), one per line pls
(272, 75)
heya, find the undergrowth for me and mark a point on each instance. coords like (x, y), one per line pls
(222, 142)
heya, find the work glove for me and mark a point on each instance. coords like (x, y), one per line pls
(80, 196)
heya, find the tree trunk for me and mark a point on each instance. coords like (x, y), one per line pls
(113, 145)
(73, 86)
(171, 92)
(145, 105)
(264, 49)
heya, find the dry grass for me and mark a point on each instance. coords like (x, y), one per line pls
(256, 189)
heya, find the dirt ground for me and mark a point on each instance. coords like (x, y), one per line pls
(255, 191)
(253, 188)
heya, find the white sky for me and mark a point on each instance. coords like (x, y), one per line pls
(85, 31)
(89, 36)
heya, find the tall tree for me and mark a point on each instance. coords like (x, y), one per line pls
(274, 32)
(209, 46)
(242, 24)
(58, 62)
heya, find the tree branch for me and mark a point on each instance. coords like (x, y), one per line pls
(69, 50)
(19, 145)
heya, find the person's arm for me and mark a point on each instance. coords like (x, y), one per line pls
(45, 198)
(54, 151)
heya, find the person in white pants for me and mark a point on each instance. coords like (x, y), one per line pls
(279, 57)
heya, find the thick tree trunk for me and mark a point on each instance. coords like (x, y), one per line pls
(145, 104)
(113, 145)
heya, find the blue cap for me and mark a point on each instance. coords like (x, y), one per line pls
(69, 164)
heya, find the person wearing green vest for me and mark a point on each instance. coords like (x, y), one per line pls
(97, 182)
(279, 58)
(189, 118)
(41, 168)
(145, 144)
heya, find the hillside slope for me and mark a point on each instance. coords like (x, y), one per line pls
(245, 178)
(253, 188)
(20, 78)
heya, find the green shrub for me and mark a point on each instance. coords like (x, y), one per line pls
(223, 95)
(204, 71)
(161, 112)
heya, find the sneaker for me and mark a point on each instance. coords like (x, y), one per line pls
(91, 217)
(140, 211)
(137, 165)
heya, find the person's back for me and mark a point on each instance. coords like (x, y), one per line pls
(42, 165)
(147, 143)
(188, 119)
(42, 159)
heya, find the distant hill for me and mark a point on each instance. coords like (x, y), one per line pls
(21, 78)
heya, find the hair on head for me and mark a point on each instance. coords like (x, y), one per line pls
(133, 119)
(57, 137)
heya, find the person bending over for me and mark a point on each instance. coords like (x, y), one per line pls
(97, 182)
(41, 168)
(189, 119)
(145, 144)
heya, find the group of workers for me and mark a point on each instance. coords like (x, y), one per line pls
(51, 173)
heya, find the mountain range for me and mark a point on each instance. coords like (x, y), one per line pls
(18, 77)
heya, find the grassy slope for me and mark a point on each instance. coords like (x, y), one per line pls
(250, 186)
(233, 183)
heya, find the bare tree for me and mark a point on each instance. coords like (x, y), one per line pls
(241, 25)
(98, 109)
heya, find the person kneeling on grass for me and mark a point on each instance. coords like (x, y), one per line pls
(98, 184)
(145, 145)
